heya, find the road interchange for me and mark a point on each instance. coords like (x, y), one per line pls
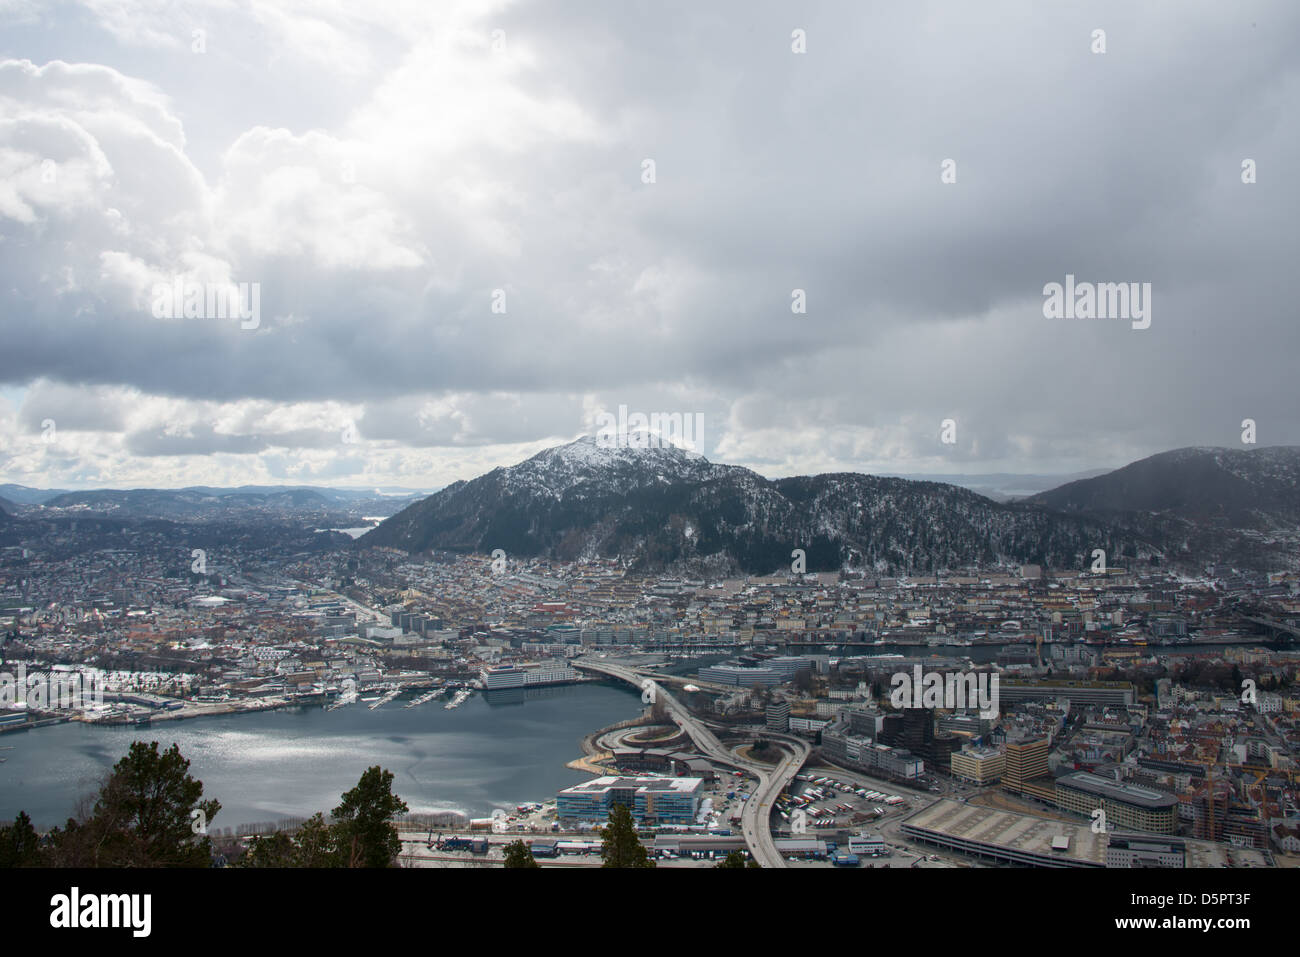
(756, 814)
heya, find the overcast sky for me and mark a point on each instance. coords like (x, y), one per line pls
(380, 170)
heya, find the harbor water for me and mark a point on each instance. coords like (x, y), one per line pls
(495, 750)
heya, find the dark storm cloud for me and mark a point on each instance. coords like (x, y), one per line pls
(775, 171)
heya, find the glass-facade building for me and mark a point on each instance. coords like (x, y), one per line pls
(651, 800)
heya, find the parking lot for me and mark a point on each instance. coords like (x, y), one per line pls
(819, 802)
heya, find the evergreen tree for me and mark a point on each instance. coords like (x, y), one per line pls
(274, 850)
(518, 854)
(316, 844)
(621, 847)
(736, 859)
(20, 845)
(359, 834)
(364, 833)
(149, 813)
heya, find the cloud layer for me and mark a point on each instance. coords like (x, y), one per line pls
(462, 256)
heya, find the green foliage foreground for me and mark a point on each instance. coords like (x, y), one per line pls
(150, 812)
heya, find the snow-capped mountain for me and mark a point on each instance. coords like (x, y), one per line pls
(563, 468)
(666, 507)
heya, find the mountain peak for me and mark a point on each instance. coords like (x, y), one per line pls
(637, 445)
(637, 459)
(656, 505)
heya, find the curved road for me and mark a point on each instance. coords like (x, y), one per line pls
(756, 815)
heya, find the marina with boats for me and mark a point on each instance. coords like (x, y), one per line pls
(426, 697)
(385, 698)
(460, 698)
(379, 695)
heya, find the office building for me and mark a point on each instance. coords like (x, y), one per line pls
(978, 765)
(1115, 693)
(1129, 807)
(741, 676)
(778, 716)
(527, 675)
(651, 800)
(1024, 761)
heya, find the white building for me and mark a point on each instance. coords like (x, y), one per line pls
(527, 675)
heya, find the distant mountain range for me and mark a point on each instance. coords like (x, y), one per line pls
(1234, 488)
(668, 508)
(22, 495)
(1005, 486)
(204, 503)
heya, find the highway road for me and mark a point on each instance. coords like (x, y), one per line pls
(756, 816)
(755, 819)
(1272, 623)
